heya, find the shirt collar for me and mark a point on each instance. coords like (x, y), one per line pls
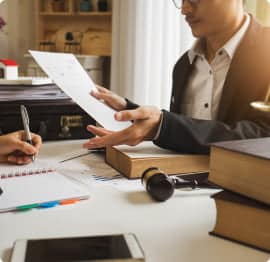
(230, 47)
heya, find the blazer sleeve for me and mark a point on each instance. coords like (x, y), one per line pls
(193, 136)
(131, 105)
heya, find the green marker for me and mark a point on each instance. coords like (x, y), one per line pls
(26, 207)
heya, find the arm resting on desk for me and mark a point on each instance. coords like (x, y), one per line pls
(187, 135)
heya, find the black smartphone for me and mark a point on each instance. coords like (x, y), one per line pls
(115, 248)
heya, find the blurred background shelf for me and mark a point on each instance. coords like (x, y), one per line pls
(76, 26)
(94, 14)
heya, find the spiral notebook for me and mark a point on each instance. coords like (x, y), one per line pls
(35, 186)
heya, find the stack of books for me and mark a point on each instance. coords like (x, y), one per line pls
(242, 168)
(27, 88)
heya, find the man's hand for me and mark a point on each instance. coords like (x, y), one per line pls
(111, 99)
(14, 149)
(146, 120)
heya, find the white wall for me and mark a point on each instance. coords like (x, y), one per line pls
(149, 36)
(251, 6)
(4, 32)
(260, 9)
(21, 28)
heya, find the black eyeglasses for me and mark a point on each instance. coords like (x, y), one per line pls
(179, 3)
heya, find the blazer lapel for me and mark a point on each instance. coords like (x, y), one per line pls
(181, 74)
(239, 70)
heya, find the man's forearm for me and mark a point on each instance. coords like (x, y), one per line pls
(187, 135)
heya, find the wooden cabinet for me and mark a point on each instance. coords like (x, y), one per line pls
(72, 26)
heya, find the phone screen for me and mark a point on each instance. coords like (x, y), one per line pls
(77, 249)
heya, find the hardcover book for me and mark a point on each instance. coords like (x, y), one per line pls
(133, 161)
(242, 220)
(243, 167)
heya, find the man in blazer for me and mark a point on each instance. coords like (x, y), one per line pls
(213, 85)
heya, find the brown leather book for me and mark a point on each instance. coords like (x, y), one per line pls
(243, 167)
(242, 220)
(133, 161)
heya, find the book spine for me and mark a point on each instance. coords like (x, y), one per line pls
(118, 161)
(172, 165)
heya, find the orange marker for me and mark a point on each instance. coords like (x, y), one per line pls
(69, 201)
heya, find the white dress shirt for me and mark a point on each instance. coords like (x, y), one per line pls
(204, 89)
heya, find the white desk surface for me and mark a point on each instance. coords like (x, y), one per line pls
(173, 231)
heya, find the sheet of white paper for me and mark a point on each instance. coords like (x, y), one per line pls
(146, 149)
(120, 182)
(69, 75)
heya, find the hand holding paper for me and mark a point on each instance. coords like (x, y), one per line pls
(111, 99)
(68, 74)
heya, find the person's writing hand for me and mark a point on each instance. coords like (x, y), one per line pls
(146, 120)
(111, 99)
(14, 149)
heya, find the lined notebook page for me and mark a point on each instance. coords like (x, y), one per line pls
(36, 184)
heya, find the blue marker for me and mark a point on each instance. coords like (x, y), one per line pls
(49, 204)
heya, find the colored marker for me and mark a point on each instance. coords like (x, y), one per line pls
(69, 201)
(49, 204)
(26, 207)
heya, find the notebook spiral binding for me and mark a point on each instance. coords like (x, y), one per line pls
(26, 172)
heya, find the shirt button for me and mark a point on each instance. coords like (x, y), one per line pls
(206, 105)
(210, 72)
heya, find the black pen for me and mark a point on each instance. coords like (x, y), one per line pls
(1, 191)
(25, 120)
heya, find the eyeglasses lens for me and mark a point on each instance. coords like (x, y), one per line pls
(179, 3)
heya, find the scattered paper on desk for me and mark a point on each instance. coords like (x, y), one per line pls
(69, 75)
(119, 182)
(89, 178)
(89, 169)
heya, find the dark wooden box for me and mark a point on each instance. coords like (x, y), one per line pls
(52, 119)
